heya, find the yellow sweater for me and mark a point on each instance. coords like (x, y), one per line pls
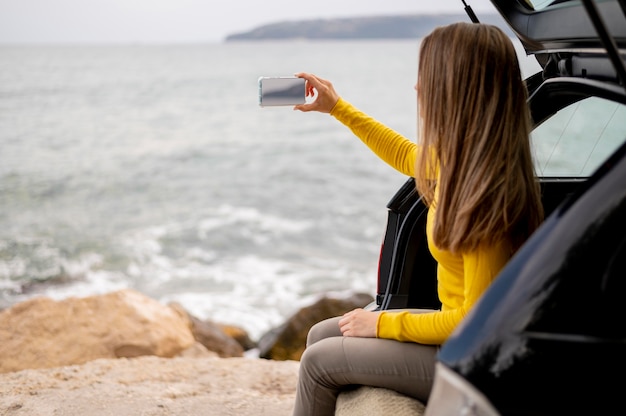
(462, 277)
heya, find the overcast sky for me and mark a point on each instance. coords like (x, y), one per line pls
(151, 21)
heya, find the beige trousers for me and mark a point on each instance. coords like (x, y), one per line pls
(332, 362)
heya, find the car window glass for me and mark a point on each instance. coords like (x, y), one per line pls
(540, 4)
(577, 139)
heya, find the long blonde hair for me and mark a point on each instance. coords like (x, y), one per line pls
(475, 122)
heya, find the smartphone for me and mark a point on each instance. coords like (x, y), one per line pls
(276, 91)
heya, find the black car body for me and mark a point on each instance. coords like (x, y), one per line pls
(549, 336)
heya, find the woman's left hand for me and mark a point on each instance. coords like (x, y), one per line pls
(359, 323)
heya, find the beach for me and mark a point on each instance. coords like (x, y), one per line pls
(153, 386)
(124, 353)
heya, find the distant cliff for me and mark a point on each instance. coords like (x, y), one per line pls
(383, 27)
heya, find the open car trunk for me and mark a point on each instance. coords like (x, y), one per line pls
(566, 37)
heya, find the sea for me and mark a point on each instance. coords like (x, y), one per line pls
(152, 167)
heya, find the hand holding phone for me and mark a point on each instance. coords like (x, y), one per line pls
(325, 96)
(281, 91)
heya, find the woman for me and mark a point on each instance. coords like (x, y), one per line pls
(473, 168)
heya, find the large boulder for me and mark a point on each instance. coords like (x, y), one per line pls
(288, 341)
(43, 333)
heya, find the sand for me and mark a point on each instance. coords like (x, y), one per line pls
(153, 386)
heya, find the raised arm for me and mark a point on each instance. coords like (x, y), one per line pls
(395, 149)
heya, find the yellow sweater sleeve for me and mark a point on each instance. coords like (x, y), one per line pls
(390, 146)
(458, 293)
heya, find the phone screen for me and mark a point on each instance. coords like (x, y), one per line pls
(275, 91)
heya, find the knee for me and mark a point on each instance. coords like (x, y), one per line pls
(309, 361)
(319, 357)
(324, 329)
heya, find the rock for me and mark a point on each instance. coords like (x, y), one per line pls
(239, 335)
(197, 350)
(43, 333)
(374, 401)
(210, 334)
(287, 342)
(215, 339)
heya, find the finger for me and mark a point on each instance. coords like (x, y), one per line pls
(307, 76)
(308, 86)
(309, 90)
(347, 331)
(311, 79)
(305, 107)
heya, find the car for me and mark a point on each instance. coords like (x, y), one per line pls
(549, 336)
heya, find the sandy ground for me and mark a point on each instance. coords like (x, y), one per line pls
(147, 386)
